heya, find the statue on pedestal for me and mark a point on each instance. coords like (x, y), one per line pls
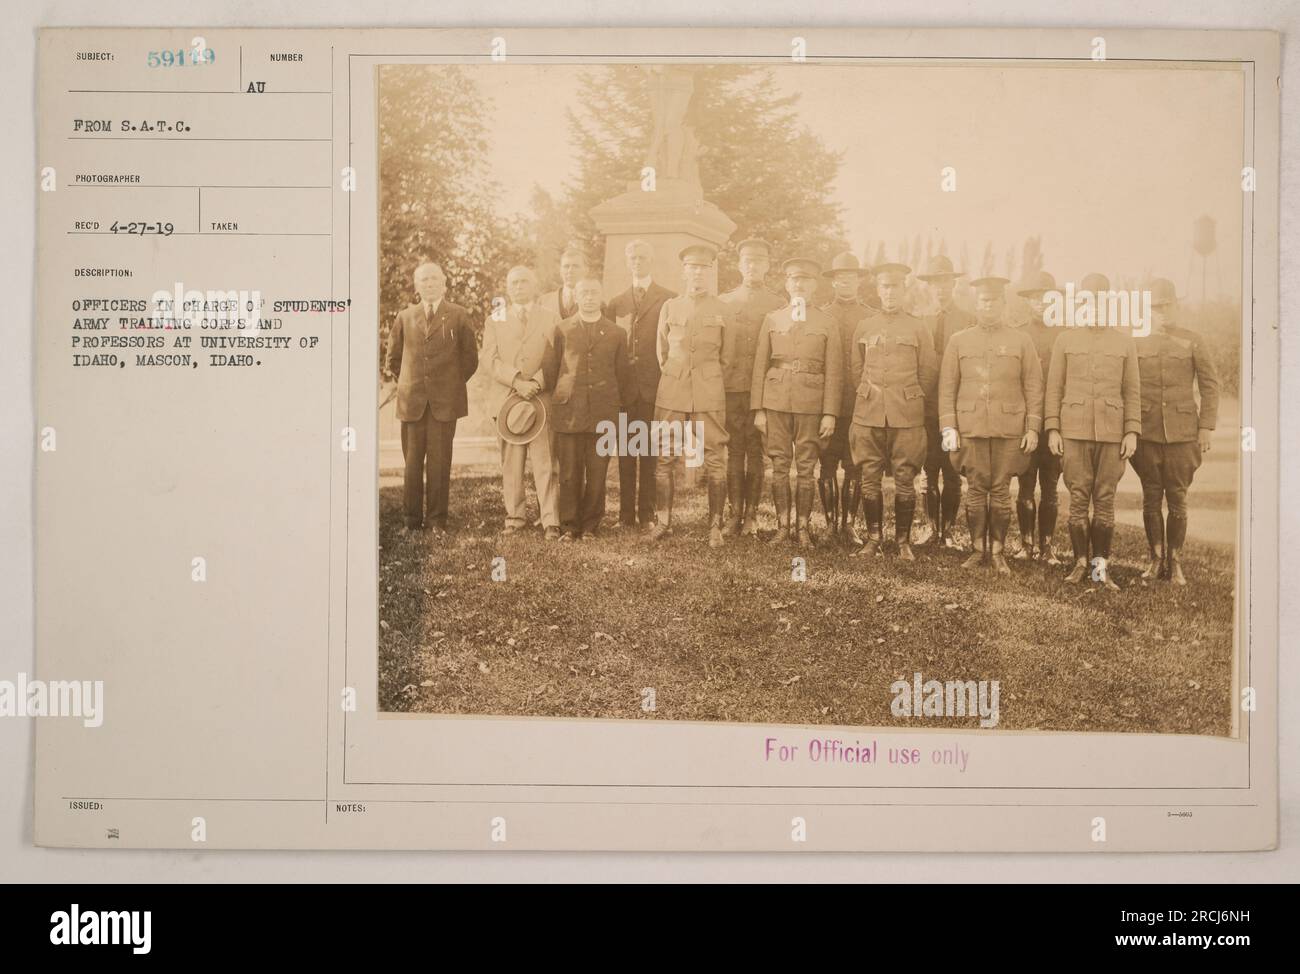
(673, 147)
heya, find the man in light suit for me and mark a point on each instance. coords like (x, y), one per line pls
(515, 349)
(431, 354)
(637, 310)
(563, 301)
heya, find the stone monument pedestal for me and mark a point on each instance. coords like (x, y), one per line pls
(670, 217)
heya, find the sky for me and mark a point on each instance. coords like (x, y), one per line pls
(1108, 164)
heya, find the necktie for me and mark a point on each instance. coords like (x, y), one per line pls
(428, 320)
(523, 315)
(638, 295)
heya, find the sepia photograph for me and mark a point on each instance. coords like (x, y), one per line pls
(859, 394)
(762, 441)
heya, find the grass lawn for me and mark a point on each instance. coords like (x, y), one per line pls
(579, 629)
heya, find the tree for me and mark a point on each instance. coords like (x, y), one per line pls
(546, 234)
(435, 203)
(758, 163)
(1032, 261)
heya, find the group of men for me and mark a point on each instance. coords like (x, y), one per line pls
(858, 383)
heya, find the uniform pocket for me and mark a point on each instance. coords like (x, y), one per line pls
(1114, 415)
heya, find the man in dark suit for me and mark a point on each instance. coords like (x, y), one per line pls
(637, 309)
(592, 373)
(431, 353)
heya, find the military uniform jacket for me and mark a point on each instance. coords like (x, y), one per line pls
(690, 349)
(751, 306)
(991, 383)
(1168, 361)
(1093, 390)
(944, 324)
(847, 314)
(643, 324)
(799, 365)
(432, 361)
(592, 374)
(1043, 337)
(894, 371)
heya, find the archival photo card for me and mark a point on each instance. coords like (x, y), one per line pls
(657, 439)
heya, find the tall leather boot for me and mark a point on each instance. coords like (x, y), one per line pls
(932, 512)
(999, 521)
(663, 503)
(1175, 536)
(977, 521)
(753, 494)
(826, 490)
(1026, 515)
(874, 509)
(717, 498)
(736, 497)
(833, 515)
(781, 498)
(1101, 537)
(850, 500)
(1079, 542)
(1046, 528)
(904, 512)
(950, 506)
(803, 502)
(1154, 524)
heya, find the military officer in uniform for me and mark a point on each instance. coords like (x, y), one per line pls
(941, 506)
(796, 393)
(847, 309)
(991, 412)
(751, 302)
(638, 309)
(1044, 467)
(1092, 413)
(1174, 432)
(691, 394)
(894, 371)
